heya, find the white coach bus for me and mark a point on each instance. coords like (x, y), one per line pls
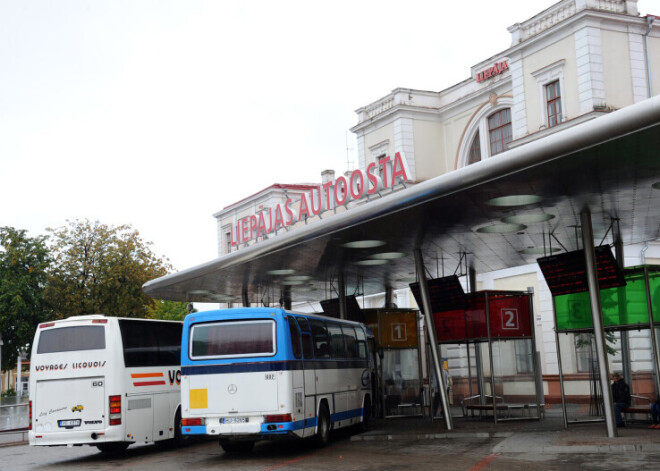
(105, 381)
(257, 373)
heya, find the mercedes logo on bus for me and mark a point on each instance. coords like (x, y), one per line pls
(231, 389)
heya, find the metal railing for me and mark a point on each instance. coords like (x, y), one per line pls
(14, 413)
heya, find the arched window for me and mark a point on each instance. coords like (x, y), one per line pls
(499, 130)
(488, 132)
(475, 150)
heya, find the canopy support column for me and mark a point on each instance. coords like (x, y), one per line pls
(341, 282)
(433, 340)
(599, 332)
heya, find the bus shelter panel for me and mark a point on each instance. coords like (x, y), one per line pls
(622, 307)
(508, 317)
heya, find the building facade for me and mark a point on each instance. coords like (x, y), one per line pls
(573, 62)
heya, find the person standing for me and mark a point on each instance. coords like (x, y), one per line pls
(655, 413)
(620, 397)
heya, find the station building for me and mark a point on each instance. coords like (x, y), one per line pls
(574, 62)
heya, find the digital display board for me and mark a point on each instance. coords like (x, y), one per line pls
(566, 273)
(353, 311)
(446, 294)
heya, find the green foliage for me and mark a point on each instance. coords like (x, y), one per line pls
(11, 392)
(100, 269)
(24, 262)
(169, 310)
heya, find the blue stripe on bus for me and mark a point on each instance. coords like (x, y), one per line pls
(349, 414)
(252, 367)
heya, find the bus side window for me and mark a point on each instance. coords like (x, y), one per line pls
(306, 338)
(320, 335)
(295, 338)
(361, 344)
(337, 347)
(350, 341)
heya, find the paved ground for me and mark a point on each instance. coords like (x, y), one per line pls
(397, 444)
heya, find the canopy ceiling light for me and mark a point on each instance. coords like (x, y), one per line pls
(363, 244)
(514, 200)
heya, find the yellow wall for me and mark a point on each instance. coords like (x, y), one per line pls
(616, 69)
(561, 50)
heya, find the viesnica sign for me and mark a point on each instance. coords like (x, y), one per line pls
(385, 173)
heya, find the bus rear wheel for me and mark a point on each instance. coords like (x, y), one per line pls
(323, 428)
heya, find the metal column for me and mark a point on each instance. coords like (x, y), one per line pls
(599, 332)
(342, 295)
(428, 315)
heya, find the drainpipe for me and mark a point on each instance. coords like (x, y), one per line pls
(642, 253)
(649, 78)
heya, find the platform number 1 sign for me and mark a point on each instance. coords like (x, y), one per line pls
(510, 319)
(399, 333)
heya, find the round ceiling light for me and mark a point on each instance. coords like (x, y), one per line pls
(297, 278)
(501, 228)
(371, 262)
(288, 271)
(514, 200)
(363, 244)
(530, 218)
(387, 255)
(199, 291)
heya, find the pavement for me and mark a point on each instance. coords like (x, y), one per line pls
(547, 435)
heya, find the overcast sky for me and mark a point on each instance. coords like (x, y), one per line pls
(160, 113)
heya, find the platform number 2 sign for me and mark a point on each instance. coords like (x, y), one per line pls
(510, 319)
(399, 333)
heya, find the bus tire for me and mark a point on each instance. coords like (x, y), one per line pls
(323, 427)
(366, 414)
(112, 448)
(235, 446)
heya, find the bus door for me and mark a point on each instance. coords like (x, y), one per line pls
(309, 374)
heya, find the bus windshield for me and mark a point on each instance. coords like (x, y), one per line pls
(244, 338)
(72, 339)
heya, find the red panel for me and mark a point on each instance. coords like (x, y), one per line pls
(509, 316)
(450, 326)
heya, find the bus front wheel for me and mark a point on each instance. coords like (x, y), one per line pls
(323, 427)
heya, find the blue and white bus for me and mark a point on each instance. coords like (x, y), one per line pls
(256, 373)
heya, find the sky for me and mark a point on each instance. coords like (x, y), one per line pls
(160, 113)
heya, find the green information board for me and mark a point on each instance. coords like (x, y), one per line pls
(625, 306)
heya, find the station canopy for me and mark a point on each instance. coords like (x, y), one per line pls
(505, 211)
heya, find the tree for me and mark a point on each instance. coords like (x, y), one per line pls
(100, 269)
(24, 262)
(169, 310)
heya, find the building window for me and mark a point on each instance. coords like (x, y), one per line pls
(499, 129)
(523, 355)
(228, 242)
(475, 150)
(553, 103)
(584, 352)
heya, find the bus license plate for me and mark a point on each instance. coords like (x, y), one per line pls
(234, 420)
(69, 423)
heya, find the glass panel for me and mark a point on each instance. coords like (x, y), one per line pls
(475, 150)
(249, 338)
(337, 346)
(401, 380)
(72, 339)
(320, 336)
(621, 306)
(151, 343)
(296, 348)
